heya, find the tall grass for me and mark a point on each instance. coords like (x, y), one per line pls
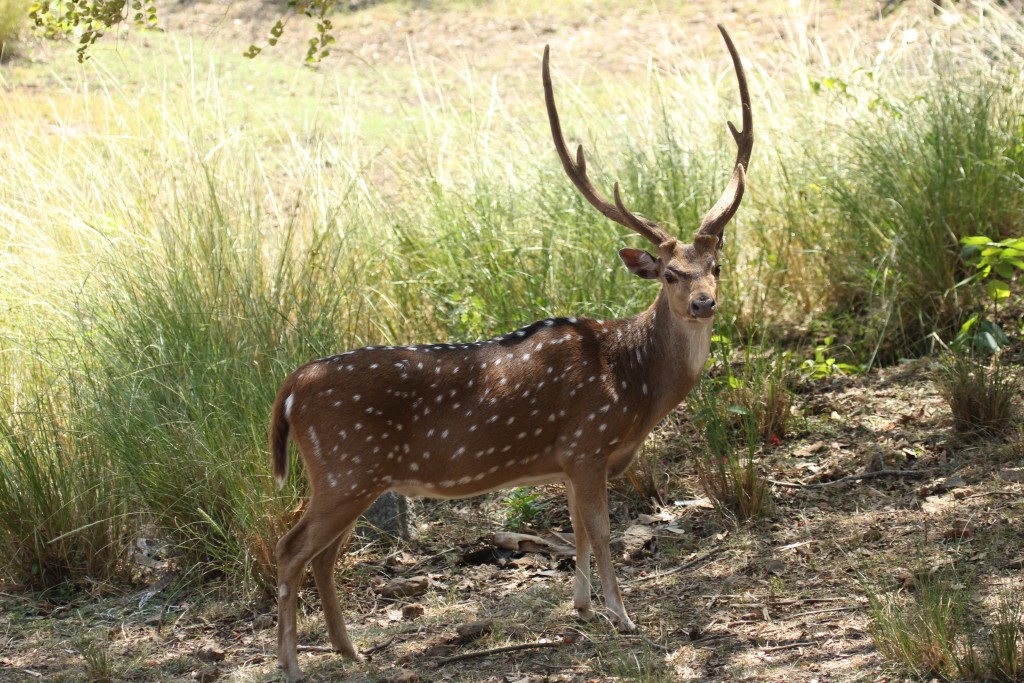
(66, 516)
(924, 171)
(168, 259)
(741, 411)
(939, 632)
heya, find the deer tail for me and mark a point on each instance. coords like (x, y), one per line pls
(279, 431)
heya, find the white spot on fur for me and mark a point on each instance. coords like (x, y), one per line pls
(314, 442)
(288, 406)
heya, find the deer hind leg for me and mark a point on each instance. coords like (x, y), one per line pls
(320, 528)
(323, 571)
(582, 585)
(591, 490)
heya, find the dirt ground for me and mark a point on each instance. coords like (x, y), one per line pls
(872, 484)
(771, 601)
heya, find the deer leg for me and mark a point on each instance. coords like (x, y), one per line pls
(592, 489)
(323, 571)
(322, 524)
(582, 585)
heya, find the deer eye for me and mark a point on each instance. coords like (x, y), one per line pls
(718, 270)
(670, 277)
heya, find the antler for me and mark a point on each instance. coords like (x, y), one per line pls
(715, 220)
(577, 172)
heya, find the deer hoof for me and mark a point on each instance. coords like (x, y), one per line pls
(625, 625)
(347, 651)
(585, 613)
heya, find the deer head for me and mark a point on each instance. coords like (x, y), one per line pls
(688, 272)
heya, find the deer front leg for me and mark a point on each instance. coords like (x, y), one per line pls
(582, 584)
(591, 490)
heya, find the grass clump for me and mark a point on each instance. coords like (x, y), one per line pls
(937, 631)
(980, 392)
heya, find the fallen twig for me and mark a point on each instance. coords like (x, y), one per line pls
(821, 611)
(788, 646)
(678, 568)
(377, 648)
(652, 643)
(316, 648)
(852, 477)
(427, 560)
(497, 651)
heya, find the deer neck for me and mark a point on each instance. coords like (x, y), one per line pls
(665, 354)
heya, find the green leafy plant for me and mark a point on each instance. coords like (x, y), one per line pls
(99, 667)
(825, 365)
(906, 188)
(644, 479)
(522, 505)
(995, 265)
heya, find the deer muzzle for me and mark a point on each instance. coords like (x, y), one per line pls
(703, 306)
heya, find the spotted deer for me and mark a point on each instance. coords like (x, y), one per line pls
(567, 400)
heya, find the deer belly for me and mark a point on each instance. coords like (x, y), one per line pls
(461, 488)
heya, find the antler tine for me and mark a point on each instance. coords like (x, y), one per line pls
(722, 212)
(577, 172)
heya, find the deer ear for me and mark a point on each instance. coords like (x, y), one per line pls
(640, 263)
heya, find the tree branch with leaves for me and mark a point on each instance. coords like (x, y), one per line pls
(89, 20)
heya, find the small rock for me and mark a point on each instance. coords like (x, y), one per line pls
(471, 630)
(263, 621)
(954, 482)
(636, 542)
(959, 531)
(776, 567)
(438, 650)
(871, 535)
(1012, 474)
(905, 578)
(405, 587)
(210, 653)
(208, 675)
(412, 611)
(403, 676)
(401, 559)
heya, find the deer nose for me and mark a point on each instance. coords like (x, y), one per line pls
(703, 306)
